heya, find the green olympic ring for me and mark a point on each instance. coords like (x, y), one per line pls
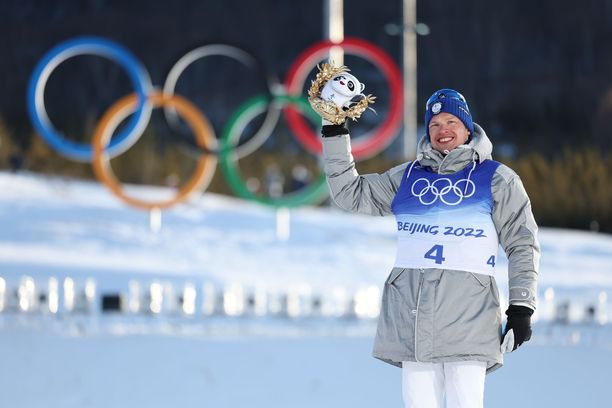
(312, 193)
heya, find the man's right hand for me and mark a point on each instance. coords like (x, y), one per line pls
(330, 130)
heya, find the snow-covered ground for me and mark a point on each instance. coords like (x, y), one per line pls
(53, 227)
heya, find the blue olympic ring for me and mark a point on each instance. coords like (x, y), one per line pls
(91, 46)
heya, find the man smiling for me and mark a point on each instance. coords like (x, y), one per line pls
(440, 317)
(447, 132)
(449, 122)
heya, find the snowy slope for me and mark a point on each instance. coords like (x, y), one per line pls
(58, 227)
(79, 227)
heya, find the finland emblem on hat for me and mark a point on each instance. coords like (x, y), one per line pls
(436, 107)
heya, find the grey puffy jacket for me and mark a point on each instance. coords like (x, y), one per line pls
(440, 315)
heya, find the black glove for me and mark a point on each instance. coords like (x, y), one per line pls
(334, 130)
(519, 321)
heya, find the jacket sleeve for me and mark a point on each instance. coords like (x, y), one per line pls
(368, 194)
(517, 231)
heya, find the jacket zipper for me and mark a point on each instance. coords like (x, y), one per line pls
(441, 163)
(416, 317)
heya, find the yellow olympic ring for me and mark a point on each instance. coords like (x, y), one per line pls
(205, 138)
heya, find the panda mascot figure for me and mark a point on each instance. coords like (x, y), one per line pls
(342, 89)
(337, 95)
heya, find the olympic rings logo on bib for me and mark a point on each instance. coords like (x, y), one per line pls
(443, 188)
(229, 148)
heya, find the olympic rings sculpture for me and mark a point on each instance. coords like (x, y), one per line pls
(229, 149)
(431, 189)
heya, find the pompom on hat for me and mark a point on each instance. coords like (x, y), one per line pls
(449, 101)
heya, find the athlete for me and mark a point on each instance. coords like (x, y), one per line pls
(440, 317)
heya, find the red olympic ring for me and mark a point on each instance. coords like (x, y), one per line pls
(384, 134)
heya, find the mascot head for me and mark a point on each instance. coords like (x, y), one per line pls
(341, 89)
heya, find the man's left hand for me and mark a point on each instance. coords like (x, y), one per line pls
(518, 327)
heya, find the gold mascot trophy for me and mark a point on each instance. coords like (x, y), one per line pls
(333, 94)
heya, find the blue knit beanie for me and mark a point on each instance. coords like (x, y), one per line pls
(449, 101)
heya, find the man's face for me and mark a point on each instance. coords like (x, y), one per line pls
(446, 132)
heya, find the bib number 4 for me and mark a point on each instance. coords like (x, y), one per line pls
(436, 253)
(491, 261)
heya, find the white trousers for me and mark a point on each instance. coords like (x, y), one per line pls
(443, 385)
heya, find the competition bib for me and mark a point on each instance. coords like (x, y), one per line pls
(444, 220)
